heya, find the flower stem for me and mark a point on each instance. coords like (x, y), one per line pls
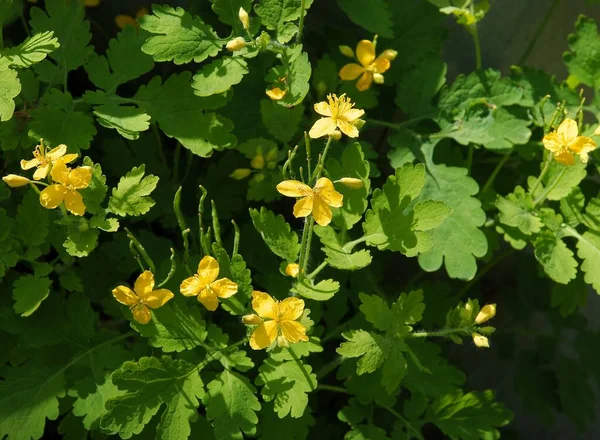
(185, 231)
(301, 23)
(320, 165)
(142, 251)
(542, 175)
(439, 333)
(315, 272)
(323, 387)
(236, 238)
(550, 188)
(311, 225)
(399, 125)
(202, 235)
(495, 172)
(475, 33)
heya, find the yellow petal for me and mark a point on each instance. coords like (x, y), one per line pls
(321, 212)
(486, 313)
(74, 202)
(365, 81)
(551, 142)
(326, 191)
(323, 108)
(208, 270)
(291, 309)
(191, 286)
(568, 130)
(252, 320)
(68, 158)
(293, 331)
(15, 181)
(292, 270)
(303, 207)
(157, 298)
(352, 114)
(125, 295)
(224, 288)
(57, 153)
(365, 52)
(264, 335)
(41, 172)
(351, 71)
(582, 144)
(142, 314)
(294, 188)
(29, 164)
(381, 64)
(80, 178)
(322, 127)
(565, 158)
(208, 299)
(264, 305)
(144, 284)
(52, 196)
(60, 172)
(276, 93)
(348, 128)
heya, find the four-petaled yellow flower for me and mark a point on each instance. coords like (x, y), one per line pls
(203, 284)
(67, 182)
(566, 140)
(273, 317)
(143, 297)
(43, 159)
(337, 113)
(370, 68)
(315, 200)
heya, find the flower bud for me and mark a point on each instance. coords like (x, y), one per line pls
(258, 162)
(236, 44)
(480, 340)
(359, 123)
(15, 181)
(597, 131)
(292, 270)
(244, 19)
(336, 135)
(351, 182)
(389, 54)
(276, 93)
(240, 173)
(252, 320)
(271, 155)
(487, 312)
(282, 342)
(378, 78)
(347, 51)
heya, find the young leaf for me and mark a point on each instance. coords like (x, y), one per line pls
(82, 238)
(10, 87)
(583, 61)
(33, 50)
(128, 120)
(219, 76)
(235, 269)
(370, 347)
(337, 255)
(276, 15)
(276, 233)
(29, 292)
(555, 257)
(130, 197)
(516, 210)
(588, 249)
(322, 291)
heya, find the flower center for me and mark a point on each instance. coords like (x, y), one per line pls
(339, 106)
(38, 153)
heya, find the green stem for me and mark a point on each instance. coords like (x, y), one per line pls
(200, 224)
(24, 23)
(308, 157)
(335, 332)
(542, 175)
(538, 32)
(315, 272)
(141, 250)
(399, 125)
(439, 333)
(236, 238)
(494, 174)
(171, 271)
(483, 271)
(302, 249)
(323, 387)
(136, 256)
(475, 33)
(329, 367)
(350, 245)
(550, 188)
(301, 23)
(404, 421)
(311, 225)
(185, 231)
(216, 224)
(320, 165)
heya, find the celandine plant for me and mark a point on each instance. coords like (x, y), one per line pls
(153, 153)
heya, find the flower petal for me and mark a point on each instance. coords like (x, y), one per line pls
(348, 128)
(29, 164)
(52, 196)
(551, 142)
(322, 127)
(74, 202)
(568, 130)
(365, 81)
(57, 153)
(321, 212)
(293, 188)
(60, 172)
(41, 172)
(157, 298)
(381, 64)
(224, 288)
(125, 295)
(582, 144)
(252, 320)
(144, 284)
(208, 299)
(68, 158)
(365, 52)
(293, 331)
(326, 191)
(264, 335)
(191, 286)
(291, 309)
(208, 270)
(352, 114)
(264, 304)
(323, 108)
(142, 314)
(351, 71)
(80, 178)
(566, 158)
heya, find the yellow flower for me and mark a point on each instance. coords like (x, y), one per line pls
(43, 159)
(370, 68)
(280, 317)
(316, 200)
(123, 20)
(276, 93)
(69, 181)
(236, 44)
(203, 284)
(338, 113)
(480, 340)
(142, 297)
(565, 141)
(486, 313)
(292, 270)
(15, 181)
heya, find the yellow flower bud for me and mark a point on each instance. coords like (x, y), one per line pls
(336, 135)
(244, 19)
(15, 181)
(276, 93)
(236, 44)
(359, 123)
(271, 155)
(487, 312)
(597, 131)
(240, 173)
(252, 320)
(258, 162)
(292, 270)
(347, 51)
(378, 78)
(389, 54)
(351, 182)
(480, 340)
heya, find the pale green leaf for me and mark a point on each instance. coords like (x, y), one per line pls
(276, 15)
(583, 61)
(517, 210)
(588, 249)
(276, 233)
(555, 257)
(131, 196)
(563, 178)
(322, 291)
(219, 76)
(10, 87)
(371, 349)
(128, 121)
(33, 50)
(339, 256)
(95, 193)
(29, 292)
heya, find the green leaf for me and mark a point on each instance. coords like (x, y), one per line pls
(281, 122)
(322, 291)
(92, 406)
(180, 37)
(563, 178)
(149, 384)
(276, 14)
(555, 257)
(235, 269)
(183, 115)
(271, 426)
(370, 347)
(123, 62)
(571, 207)
(576, 395)
(376, 311)
(32, 220)
(418, 85)
(591, 217)
(338, 256)
(276, 233)
(219, 76)
(458, 240)
(569, 298)
(10, 87)
(130, 197)
(517, 210)
(407, 309)
(588, 249)
(81, 237)
(57, 122)
(583, 61)
(374, 17)
(28, 395)
(29, 292)
(287, 384)
(297, 70)
(231, 406)
(31, 51)
(95, 193)
(227, 11)
(128, 121)
(471, 416)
